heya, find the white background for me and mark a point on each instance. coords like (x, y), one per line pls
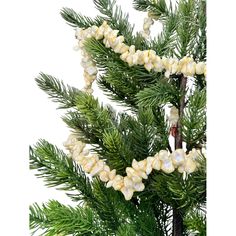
(35, 38)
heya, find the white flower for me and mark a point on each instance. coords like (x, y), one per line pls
(130, 172)
(79, 33)
(145, 56)
(158, 65)
(186, 66)
(106, 168)
(121, 48)
(99, 33)
(106, 43)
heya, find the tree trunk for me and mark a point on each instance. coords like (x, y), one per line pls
(177, 218)
(177, 223)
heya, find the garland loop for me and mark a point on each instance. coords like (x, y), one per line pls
(132, 182)
(148, 58)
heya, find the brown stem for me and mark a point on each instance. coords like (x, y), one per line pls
(177, 218)
(178, 138)
(177, 223)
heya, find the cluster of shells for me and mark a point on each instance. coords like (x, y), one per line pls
(132, 182)
(147, 58)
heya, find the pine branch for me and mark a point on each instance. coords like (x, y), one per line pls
(146, 223)
(186, 39)
(120, 82)
(55, 218)
(191, 192)
(162, 130)
(116, 18)
(117, 92)
(163, 214)
(195, 222)
(95, 114)
(106, 60)
(111, 203)
(159, 95)
(178, 193)
(199, 50)
(75, 19)
(99, 124)
(157, 8)
(58, 170)
(194, 120)
(57, 91)
(144, 135)
(126, 230)
(117, 152)
(80, 125)
(164, 44)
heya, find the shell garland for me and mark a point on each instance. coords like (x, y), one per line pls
(148, 58)
(132, 182)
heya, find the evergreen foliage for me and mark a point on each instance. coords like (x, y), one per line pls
(55, 218)
(121, 137)
(58, 170)
(194, 120)
(57, 91)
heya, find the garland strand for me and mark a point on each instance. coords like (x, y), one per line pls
(162, 161)
(148, 58)
(132, 182)
(147, 23)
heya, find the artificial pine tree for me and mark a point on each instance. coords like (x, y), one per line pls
(130, 180)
